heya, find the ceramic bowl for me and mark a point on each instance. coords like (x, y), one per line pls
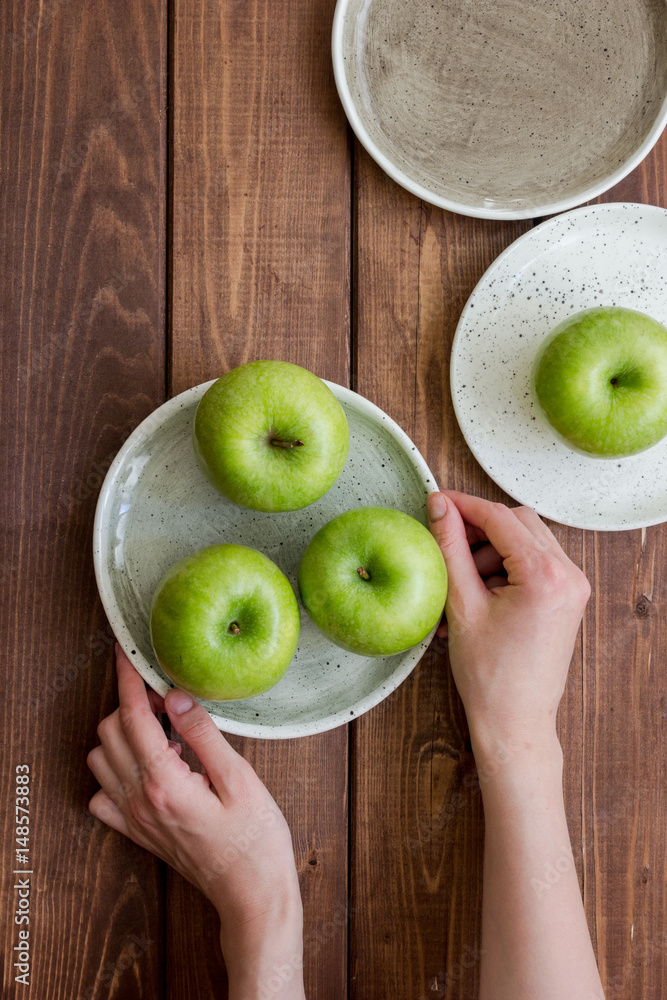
(503, 110)
(155, 507)
(601, 255)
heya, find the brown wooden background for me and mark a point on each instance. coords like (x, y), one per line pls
(179, 193)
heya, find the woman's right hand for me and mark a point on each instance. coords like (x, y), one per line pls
(513, 610)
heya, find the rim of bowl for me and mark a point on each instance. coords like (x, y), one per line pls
(558, 220)
(461, 208)
(148, 672)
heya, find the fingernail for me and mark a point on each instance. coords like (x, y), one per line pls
(180, 702)
(174, 745)
(437, 506)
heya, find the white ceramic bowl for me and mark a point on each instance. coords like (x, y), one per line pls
(155, 507)
(503, 110)
(600, 255)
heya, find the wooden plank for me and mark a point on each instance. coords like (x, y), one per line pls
(621, 798)
(416, 848)
(416, 841)
(82, 260)
(260, 268)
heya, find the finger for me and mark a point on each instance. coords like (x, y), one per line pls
(446, 526)
(475, 535)
(503, 530)
(106, 777)
(117, 752)
(156, 701)
(193, 723)
(104, 809)
(535, 525)
(442, 631)
(495, 582)
(509, 537)
(144, 733)
(117, 749)
(487, 560)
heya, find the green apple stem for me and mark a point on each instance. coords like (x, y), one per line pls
(363, 573)
(277, 443)
(234, 628)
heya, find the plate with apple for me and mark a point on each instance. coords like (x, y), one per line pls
(559, 368)
(284, 622)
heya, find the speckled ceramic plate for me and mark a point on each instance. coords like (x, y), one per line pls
(503, 109)
(603, 255)
(155, 507)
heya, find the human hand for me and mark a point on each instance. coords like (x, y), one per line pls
(221, 830)
(513, 610)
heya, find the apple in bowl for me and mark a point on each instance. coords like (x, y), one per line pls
(271, 436)
(224, 623)
(600, 381)
(374, 581)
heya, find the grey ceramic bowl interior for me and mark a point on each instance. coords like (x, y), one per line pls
(503, 109)
(155, 507)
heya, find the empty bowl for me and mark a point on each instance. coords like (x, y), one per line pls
(503, 110)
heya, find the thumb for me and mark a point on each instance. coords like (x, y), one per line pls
(446, 525)
(193, 723)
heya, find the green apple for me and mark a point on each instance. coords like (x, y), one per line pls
(374, 581)
(600, 379)
(224, 623)
(271, 436)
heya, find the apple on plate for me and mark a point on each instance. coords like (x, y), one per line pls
(600, 380)
(374, 581)
(224, 623)
(271, 436)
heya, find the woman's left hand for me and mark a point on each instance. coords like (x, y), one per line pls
(222, 830)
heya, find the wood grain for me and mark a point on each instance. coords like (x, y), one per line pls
(622, 719)
(82, 263)
(263, 261)
(261, 268)
(416, 846)
(416, 895)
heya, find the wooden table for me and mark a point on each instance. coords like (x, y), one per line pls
(180, 193)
